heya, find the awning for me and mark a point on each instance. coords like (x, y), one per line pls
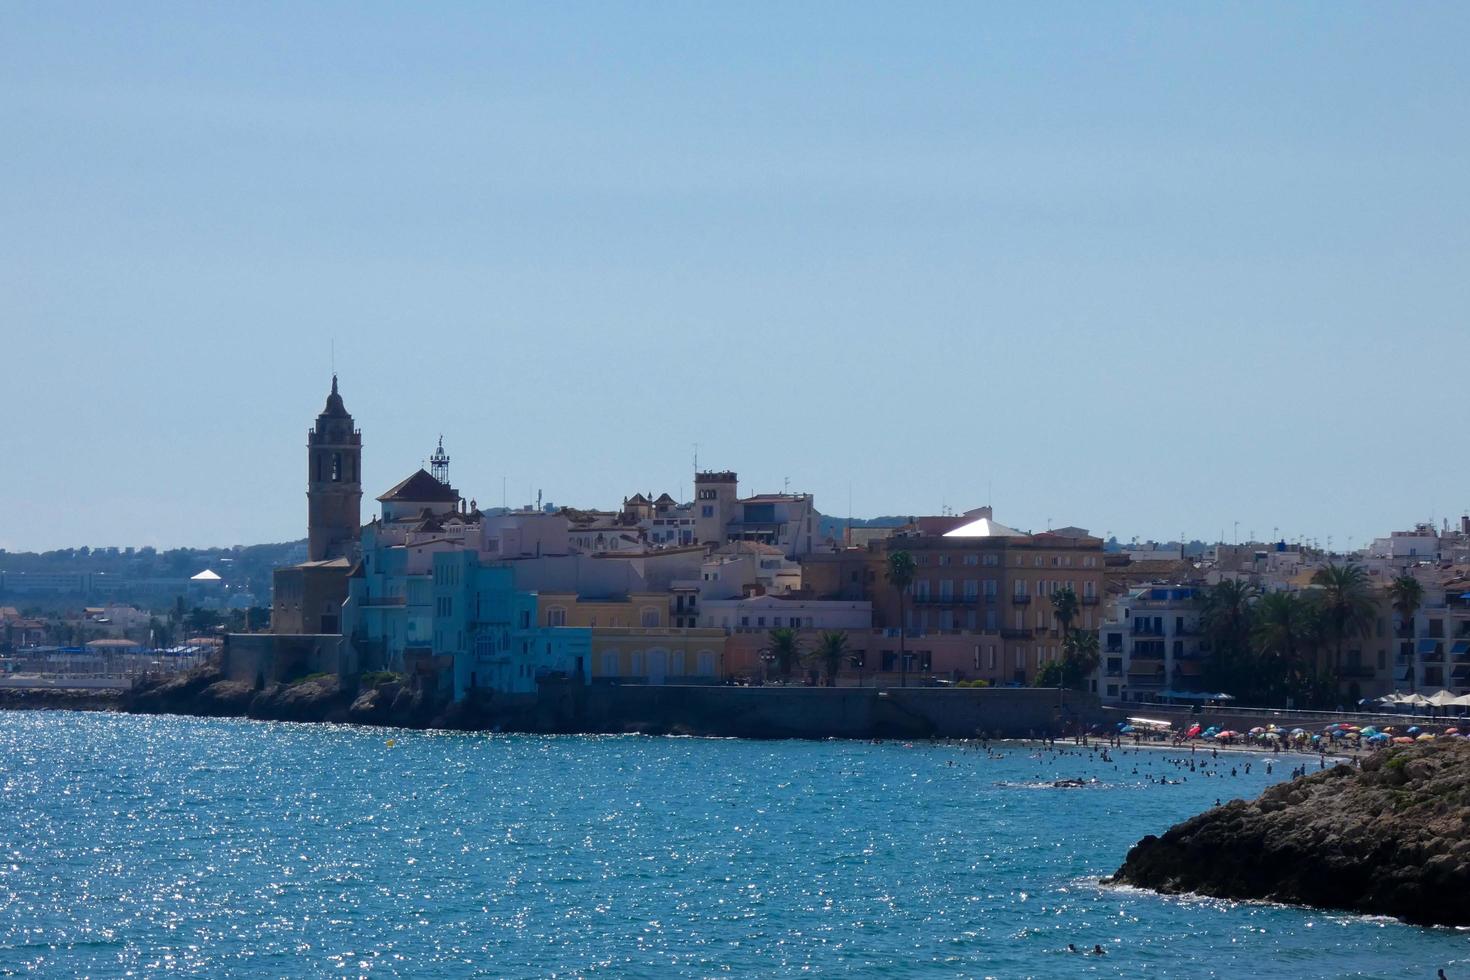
(1427, 645)
(1460, 647)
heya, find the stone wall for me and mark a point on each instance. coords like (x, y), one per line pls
(812, 712)
(269, 658)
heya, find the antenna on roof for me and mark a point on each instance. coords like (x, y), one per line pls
(334, 357)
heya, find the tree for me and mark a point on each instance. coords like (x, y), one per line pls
(785, 650)
(1226, 621)
(1081, 657)
(1064, 604)
(1407, 595)
(1347, 607)
(832, 649)
(901, 575)
(1283, 622)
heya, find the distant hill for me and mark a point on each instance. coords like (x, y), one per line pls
(832, 527)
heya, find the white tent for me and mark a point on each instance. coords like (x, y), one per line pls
(1441, 698)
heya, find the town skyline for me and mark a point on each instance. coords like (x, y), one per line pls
(1146, 274)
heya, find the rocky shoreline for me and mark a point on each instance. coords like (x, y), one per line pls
(207, 693)
(1391, 838)
(60, 699)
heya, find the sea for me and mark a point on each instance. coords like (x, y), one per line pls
(168, 846)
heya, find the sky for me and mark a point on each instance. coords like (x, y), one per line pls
(1148, 269)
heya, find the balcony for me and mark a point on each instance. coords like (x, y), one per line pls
(1021, 600)
(1431, 651)
(1015, 634)
(1146, 631)
(1090, 600)
(1357, 673)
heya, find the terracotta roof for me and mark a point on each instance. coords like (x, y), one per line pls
(420, 488)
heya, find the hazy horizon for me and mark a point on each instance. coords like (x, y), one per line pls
(1148, 270)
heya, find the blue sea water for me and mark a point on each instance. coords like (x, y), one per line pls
(149, 846)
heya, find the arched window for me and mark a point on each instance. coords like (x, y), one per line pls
(336, 467)
(319, 458)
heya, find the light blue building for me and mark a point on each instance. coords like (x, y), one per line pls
(424, 600)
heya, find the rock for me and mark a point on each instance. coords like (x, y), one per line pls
(1391, 839)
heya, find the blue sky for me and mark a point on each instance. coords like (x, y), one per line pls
(1142, 268)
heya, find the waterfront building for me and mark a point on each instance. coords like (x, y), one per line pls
(657, 655)
(424, 600)
(1152, 645)
(974, 577)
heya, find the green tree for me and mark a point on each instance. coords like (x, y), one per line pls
(785, 650)
(1407, 595)
(1279, 632)
(1225, 618)
(161, 632)
(1064, 604)
(1081, 655)
(1347, 607)
(901, 575)
(831, 650)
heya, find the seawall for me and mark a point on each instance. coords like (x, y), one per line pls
(572, 708)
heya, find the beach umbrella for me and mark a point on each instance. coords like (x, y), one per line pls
(1452, 731)
(1126, 729)
(1258, 731)
(1403, 740)
(1413, 729)
(1426, 737)
(1380, 737)
(1193, 731)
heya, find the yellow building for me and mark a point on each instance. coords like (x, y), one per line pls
(639, 655)
(632, 641)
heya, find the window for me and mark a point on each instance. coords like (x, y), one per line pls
(972, 588)
(990, 658)
(992, 560)
(336, 467)
(706, 511)
(944, 559)
(556, 616)
(972, 559)
(648, 616)
(609, 663)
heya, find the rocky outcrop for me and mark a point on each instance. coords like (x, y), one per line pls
(59, 699)
(1391, 839)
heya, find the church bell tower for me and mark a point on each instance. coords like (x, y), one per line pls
(333, 483)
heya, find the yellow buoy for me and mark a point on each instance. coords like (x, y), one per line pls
(391, 743)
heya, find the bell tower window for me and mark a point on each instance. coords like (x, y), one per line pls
(336, 467)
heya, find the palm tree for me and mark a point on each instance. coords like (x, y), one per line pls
(832, 649)
(1226, 620)
(1082, 657)
(901, 575)
(1346, 604)
(785, 650)
(1064, 605)
(1407, 595)
(1281, 628)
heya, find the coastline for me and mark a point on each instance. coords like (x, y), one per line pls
(60, 699)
